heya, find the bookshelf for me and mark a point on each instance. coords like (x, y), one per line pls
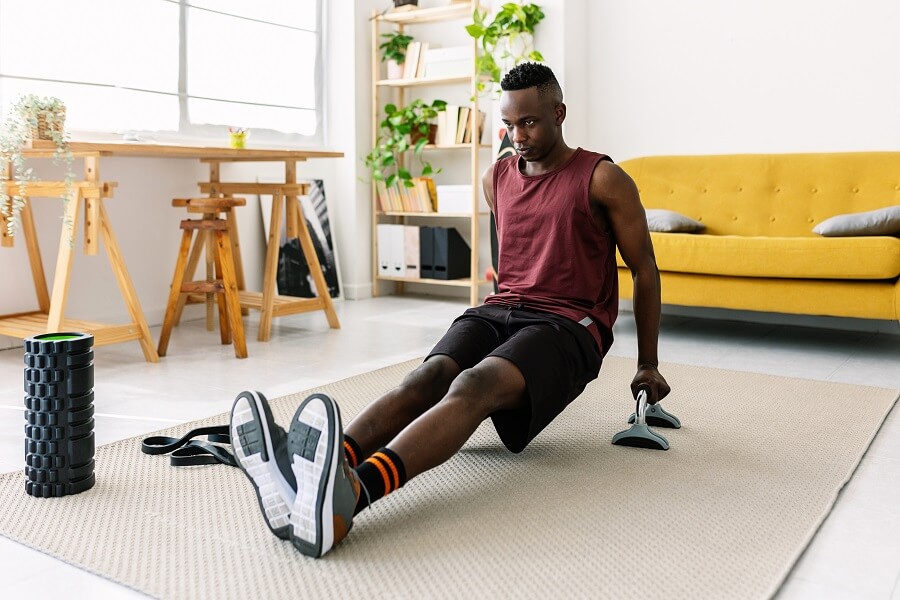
(400, 91)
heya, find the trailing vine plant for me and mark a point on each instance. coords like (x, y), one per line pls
(31, 117)
(505, 42)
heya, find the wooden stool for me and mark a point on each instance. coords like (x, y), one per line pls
(212, 231)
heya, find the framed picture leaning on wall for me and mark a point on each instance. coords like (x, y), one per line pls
(293, 274)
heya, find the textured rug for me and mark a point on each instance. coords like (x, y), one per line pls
(724, 514)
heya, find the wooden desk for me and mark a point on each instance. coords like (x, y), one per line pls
(92, 191)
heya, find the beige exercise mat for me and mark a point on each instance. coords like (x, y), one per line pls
(724, 514)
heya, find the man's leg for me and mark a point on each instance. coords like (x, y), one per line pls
(383, 419)
(494, 384)
(328, 489)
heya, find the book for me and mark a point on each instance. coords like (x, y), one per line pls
(479, 127)
(411, 62)
(462, 124)
(382, 194)
(426, 193)
(452, 122)
(422, 58)
(406, 197)
(394, 195)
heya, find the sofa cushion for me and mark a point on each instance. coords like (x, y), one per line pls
(789, 257)
(669, 221)
(884, 221)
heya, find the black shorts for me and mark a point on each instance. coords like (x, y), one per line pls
(557, 356)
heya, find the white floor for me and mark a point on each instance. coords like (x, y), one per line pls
(856, 554)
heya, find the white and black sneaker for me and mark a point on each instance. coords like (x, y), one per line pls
(260, 449)
(328, 488)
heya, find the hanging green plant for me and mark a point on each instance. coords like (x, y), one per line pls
(31, 118)
(510, 35)
(403, 129)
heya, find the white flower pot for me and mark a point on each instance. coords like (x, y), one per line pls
(394, 70)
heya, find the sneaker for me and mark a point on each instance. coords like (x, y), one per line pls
(260, 449)
(327, 488)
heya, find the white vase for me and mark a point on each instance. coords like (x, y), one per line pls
(394, 70)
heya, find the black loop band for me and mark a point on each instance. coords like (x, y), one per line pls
(201, 453)
(189, 452)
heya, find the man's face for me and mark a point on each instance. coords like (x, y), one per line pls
(532, 122)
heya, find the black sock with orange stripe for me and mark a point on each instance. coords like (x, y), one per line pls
(352, 451)
(381, 474)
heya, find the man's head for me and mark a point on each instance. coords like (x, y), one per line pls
(533, 75)
(532, 109)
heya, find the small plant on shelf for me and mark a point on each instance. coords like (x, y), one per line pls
(510, 35)
(393, 52)
(30, 119)
(403, 129)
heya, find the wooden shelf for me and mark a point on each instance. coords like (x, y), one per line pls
(400, 92)
(465, 146)
(466, 282)
(431, 214)
(427, 15)
(420, 81)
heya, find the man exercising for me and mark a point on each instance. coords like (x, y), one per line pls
(520, 358)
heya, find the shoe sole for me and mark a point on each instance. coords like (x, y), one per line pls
(251, 423)
(314, 449)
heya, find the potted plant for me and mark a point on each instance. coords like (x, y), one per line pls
(510, 34)
(405, 4)
(403, 129)
(394, 53)
(31, 118)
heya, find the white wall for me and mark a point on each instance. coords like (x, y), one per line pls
(730, 76)
(640, 78)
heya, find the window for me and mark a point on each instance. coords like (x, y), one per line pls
(188, 68)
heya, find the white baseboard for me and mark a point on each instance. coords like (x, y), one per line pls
(359, 291)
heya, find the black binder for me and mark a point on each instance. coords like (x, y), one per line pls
(426, 252)
(452, 255)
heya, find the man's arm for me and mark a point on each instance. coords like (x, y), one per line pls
(487, 183)
(614, 191)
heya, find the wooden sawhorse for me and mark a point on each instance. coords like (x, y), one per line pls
(285, 208)
(50, 315)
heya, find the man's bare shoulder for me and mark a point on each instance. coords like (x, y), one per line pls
(487, 184)
(610, 181)
(487, 176)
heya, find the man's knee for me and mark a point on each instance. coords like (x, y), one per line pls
(485, 389)
(430, 381)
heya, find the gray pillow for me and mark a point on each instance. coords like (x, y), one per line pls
(884, 221)
(669, 221)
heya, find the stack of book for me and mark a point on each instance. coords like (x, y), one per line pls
(422, 197)
(455, 125)
(414, 63)
(422, 61)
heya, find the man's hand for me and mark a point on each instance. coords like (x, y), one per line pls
(648, 376)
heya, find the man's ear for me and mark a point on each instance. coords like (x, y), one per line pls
(560, 113)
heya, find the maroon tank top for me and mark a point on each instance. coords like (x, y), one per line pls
(552, 255)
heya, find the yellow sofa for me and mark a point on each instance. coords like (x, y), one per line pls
(758, 251)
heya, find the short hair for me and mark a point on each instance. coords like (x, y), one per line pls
(529, 74)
